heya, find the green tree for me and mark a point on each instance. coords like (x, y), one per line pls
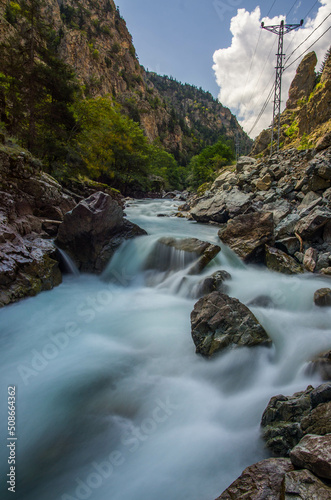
(112, 145)
(203, 167)
(37, 88)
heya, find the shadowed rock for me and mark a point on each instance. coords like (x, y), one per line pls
(313, 453)
(248, 234)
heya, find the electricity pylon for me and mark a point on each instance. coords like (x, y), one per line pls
(280, 30)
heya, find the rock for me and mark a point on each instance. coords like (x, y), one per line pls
(323, 261)
(303, 485)
(244, 161)
(317, 183)
(214, 283)
(279, 261)
(287, 226)
(264, 183)
(310, 198)
(93, 230)
(327, 232)
(326, 271)
(313, 453)
(324, 142)
(288, 418)
(247, 235)
(322, 297)
(261, 301)
(219, 321)
(322, 365)
(303, 82)
(312, 225)
(221, 207)
(171, 254)
(310, 258)
(289, 245)
(261, 481)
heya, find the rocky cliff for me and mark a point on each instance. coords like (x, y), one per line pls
(306, 122)
(93, 38)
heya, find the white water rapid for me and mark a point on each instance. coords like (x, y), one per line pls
(112, 401)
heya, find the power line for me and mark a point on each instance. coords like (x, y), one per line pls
(289, 12)
(263, 109)
(307, 38)
(271, 8)
(295, 60)
(310, 10)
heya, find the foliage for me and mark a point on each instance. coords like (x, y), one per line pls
(115, 149)
(305, 143)
(36, 87)
(203, 167)
(292, 130)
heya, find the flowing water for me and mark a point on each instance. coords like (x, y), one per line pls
(112, 401)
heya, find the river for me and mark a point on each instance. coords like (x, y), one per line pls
(113, 403)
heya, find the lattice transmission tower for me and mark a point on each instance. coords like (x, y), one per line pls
(280, 30)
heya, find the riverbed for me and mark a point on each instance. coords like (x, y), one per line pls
(112, 401)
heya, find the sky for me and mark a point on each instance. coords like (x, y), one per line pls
(219, 45)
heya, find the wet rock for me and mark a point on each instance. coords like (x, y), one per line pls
(222, 206)
(288, 418)
(279, 261)
(303, 485)
(247, 235)
(322, 297)
(322, 365)
(214, 283)
(93, 230)
(261, 481)
(219, 321)
(261, 301)
(171, 254)
(313, 453)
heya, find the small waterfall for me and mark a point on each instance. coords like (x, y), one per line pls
(67, 263)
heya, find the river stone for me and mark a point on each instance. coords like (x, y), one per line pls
(303, 485)
(247, 235)
(187, 250)
(93, 230)
(287, 419)
(261, 481)
(310, 258)
(322, 297)
(314, 453)
(279, 261)
(322, 365)
(221, 207)
(219, 321)
(213, 283)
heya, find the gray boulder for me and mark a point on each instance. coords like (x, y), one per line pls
(219, 321)
(221, 207)
(303, 485)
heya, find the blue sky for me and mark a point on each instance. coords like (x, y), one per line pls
(179, 38)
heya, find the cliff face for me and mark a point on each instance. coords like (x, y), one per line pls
(306, 121)
(93, 38)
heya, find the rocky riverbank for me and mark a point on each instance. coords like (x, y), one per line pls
(275, 211)
(33, 206)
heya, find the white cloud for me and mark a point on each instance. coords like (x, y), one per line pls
(245, 71)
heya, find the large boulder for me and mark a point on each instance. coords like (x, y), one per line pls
(277, 260)
(261, 481)
(248, 234)
(171, 254)
(93, 230)
(304, 80)
(288, 418)
(219, 321)
(221, 207)
(322, 365)
(312, 225)
(303, 485)
(313, 453)
(322, 297)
